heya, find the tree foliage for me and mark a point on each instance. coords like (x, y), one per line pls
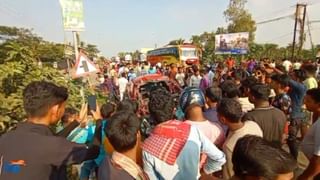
(206, 41)
(177, 42)
(19, 57)
(91, 50)
(240, 20)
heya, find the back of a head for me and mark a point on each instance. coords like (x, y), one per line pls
(254, 156)
(300, 74)
(203, 71)
(214, 94)
(107, 110)
(249, 81)
(122, 131)
(161, 105)
(195, 68)
(191, 96)
(229, 89)
(239, 74)
(260, 91)
(310, 68)
(282, 79)
(230, 109)
(314, 94)
(40, 96)
(128, 105)
(246, 84)
(281, 68)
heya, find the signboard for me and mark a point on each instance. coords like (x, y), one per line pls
(84, 66)
(235, 43)
(143, 57)
(143, 53)
(55, 65)
(72, 13)
(68, 50)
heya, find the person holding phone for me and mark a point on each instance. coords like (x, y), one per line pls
(32, 150)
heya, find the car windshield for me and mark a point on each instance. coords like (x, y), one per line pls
(145, 89)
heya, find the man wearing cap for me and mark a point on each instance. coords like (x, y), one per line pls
(172, 151)
(193, 109)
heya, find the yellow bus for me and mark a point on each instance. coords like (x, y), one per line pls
(175, 54)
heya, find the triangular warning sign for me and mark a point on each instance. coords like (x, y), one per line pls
(84, 66)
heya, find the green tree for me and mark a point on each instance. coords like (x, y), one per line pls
(136, 55)
(206, 41)
(240, 20)
(19, 55)
(92, 51)
(221, 30)
(196, 40)
(50, 52)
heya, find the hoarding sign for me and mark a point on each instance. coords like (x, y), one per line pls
(235, 43)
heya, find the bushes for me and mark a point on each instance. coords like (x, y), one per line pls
(20, 55)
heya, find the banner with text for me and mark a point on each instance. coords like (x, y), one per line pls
(72, 13)
(235, 43)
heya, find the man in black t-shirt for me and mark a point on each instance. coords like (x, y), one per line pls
(270, 119)
(32, 151)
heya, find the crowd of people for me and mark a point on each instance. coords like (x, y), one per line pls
(246, 120)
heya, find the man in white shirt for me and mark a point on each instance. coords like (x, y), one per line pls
(122, 85)
(230, 113)
(195, 79)
(180, 77)
(296, 65)
(210, 75)
(287, 65)
(310, 145)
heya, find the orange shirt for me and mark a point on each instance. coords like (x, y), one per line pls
(230, 63)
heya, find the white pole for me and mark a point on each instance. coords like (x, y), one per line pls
(75, 44)
(68, 64)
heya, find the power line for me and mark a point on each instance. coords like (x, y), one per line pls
(279, 37)
(275, 12)
(313, 3)
(309, 32)
(314, 21)
(274, 19)
(14, 13)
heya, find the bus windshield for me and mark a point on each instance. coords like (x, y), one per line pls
(190, 52)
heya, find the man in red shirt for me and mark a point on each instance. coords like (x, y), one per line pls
(230, 63)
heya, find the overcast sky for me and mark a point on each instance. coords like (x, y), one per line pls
(127, 25)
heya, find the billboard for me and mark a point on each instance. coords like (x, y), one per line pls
(72, 13)
(235, 43)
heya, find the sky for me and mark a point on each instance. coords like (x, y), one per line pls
(128, 25)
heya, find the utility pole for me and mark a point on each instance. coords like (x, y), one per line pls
(75, 44)
(294, 32)
(302, 24)
(301, 21)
